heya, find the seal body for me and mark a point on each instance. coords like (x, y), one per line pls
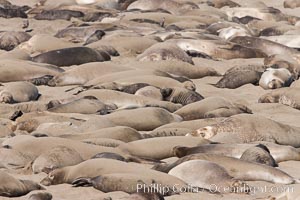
(275, 78)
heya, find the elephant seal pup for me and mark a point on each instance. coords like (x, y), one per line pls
(285, 96)
(291, 3)
(101, 166)
(71, 56)
(266, 46)
(164, 51)
(180, 95)
(214, 175)
(237, 79)
(164, 146)
(245, 128)
(260, 154)
(276, 78)
(10, 39)
(150, 92)
(59, 156)
(16, 92)
(40, 196)
(12, 187)
(143, 119)
(85, 105)
(122, 133)
(126, 101)
(280, 153)
(236, 168)
(129, 183)
(211, 107)
(165, 132)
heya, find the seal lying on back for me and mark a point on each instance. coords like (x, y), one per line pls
(285, 96)
(71, 56)
(276, 78)
(249, 128)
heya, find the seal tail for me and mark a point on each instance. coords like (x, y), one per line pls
(82, 182)
(214, 84)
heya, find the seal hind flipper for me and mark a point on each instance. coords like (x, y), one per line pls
(43, 80)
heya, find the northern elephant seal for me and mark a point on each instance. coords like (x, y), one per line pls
(260, 154)
(40, 196)
(237, 79)
(164, 51)
(215, 176)
(101, 166)
(181, 95)
(285, 96)
(59, 156)
(291, 3)
(71, 56)
(85, 105)
(16, 92)
(245, 128)
(276, 78)
(239, 169)
(11, 39)
(164, 146)
(211, 107)
(278, 152)
(151, 92)
(12, 187)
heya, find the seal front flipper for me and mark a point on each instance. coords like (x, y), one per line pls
(82, 182)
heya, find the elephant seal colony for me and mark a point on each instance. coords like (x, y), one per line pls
(149, 99)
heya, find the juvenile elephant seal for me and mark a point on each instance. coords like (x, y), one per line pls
(237, 79)
(211, 107)
(276, 78)
(259, 154)
(236, 168)
(11, 187)
(249, 128)
(181, 95)
(16, 92)
(85, 105)
(164, 51)
(285, 96)
(57, 157)
(10, 39)
(215, 175)
(71, 56)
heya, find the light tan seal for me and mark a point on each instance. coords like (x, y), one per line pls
(276, 78)
(239, 169)
(211, 107)
(16, 92)
(215, 177)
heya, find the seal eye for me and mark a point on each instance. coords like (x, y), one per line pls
(51, 176)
